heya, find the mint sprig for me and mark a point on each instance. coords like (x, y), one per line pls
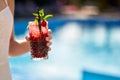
(42, 15)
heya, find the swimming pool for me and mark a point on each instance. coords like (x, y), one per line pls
(79, 47)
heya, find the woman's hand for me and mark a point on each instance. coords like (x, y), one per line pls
(47, 39)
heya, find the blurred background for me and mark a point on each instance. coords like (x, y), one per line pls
(24, 8)
(85, 44)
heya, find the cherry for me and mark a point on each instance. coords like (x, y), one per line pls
(44, 23)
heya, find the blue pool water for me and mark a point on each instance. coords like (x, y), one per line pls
(81, 50)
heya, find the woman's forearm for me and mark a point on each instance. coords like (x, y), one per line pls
(18, 47)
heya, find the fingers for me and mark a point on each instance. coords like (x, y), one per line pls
(49, 35)
(49, 43)
(27, 38)
(48, 39)
(49, 49)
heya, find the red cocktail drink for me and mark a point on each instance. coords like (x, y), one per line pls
(38, 33)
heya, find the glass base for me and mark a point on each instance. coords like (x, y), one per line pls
(39, 59)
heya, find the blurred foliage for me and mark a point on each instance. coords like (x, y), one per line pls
(102, 4)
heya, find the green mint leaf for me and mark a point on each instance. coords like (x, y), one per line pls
(48, 16)
(41, 12)
(36, 15)
(40, 15)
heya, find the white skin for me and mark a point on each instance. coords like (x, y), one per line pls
(17, 48)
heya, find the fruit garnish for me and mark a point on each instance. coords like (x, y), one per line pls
(42, 15)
